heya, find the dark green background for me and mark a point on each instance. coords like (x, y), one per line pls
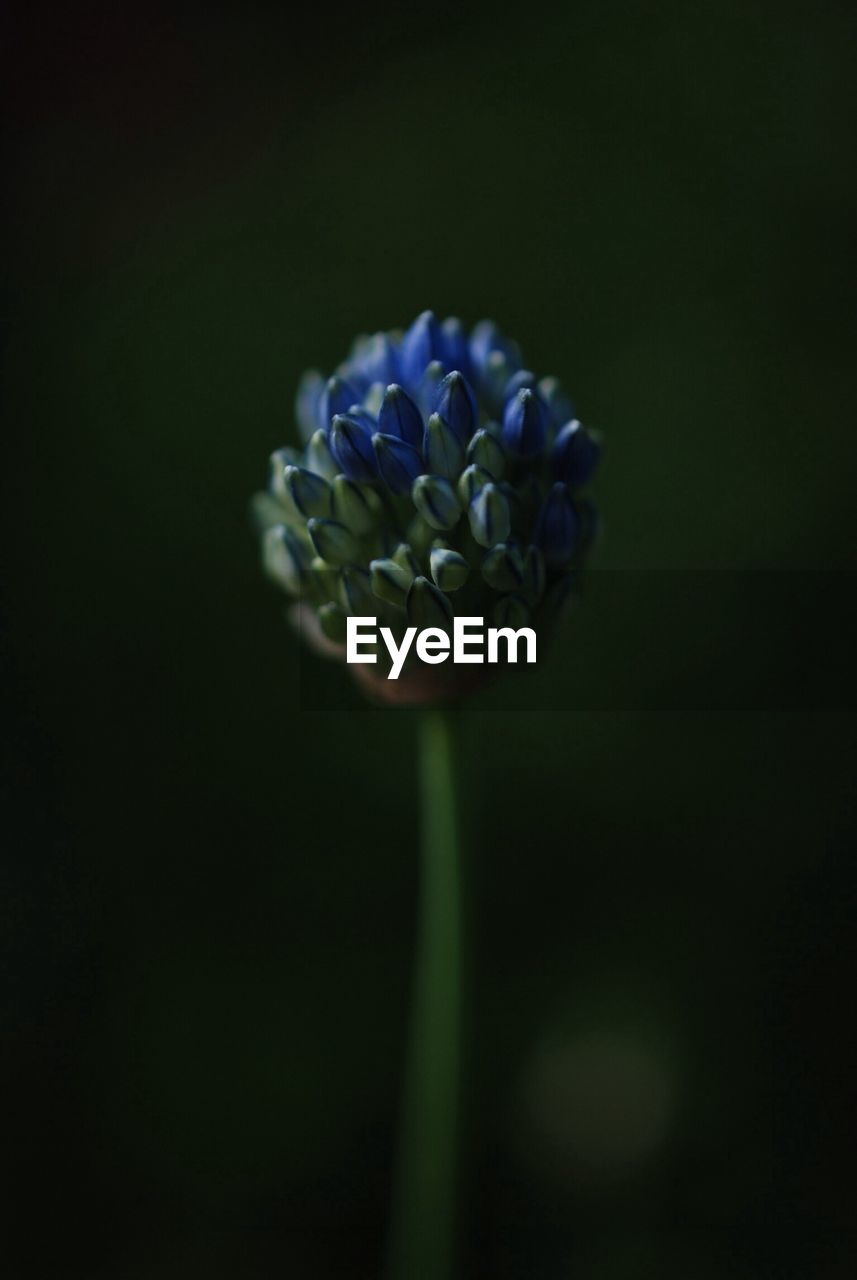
(208, 894)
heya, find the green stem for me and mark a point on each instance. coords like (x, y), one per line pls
(423, 1228)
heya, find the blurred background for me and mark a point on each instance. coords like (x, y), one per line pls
(207, 898)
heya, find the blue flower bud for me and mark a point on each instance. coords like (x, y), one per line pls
(533, 585)
(379, 359)
(472, 479)
(487, 452)
(352, 507)
(283, 560)
(360, 414)
(456, 404)
(333, 621)
(338, 397)
(390, 581)
(560, 408)
(421, 344)
(442, 449)
(308, 403)
(322, 581)
(427, 606)
(575, 454)
(351, 446)
(522, 380)
(398, 462)
(448, 568)
(495, 378)
(399, 416)
(511, 611)
(333, 542)
(435, 500)
(318, 457)
(486, 340)
(556, 526)
(489, 516)
(310, 494)
(428, 389)
(456, 354)
(356, 591)
(503, 567)
(525, 425)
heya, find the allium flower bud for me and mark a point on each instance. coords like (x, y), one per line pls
(525, 424)
(456, 404)
(333, 542)
(399, 416)
(556, 527)
(449, 568)
(390, 581)
(351, 446)
(574, 455)
(319, 459)
(503, 567)
(490, 518)
(456, 354)
(436, 431)
(310, 494)
(399, 463)
(308, 403)
(486, 451)
(471, 480)
(338, 397)
(422, 344)
(434, 498)
(442, 449)
(428, 606)
(351, 505)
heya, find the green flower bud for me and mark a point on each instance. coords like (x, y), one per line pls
(323, 581)
(318, 457)
(351, 506)
(486, 451)
(356, 591)
(511, 611)
(472, 479)
(277, 463)
(266, 512)
(333, 542)
(442, 449)
(448, 568)
(434, 498)
(374, 398)
(420, 536)
(282, 559)
(489, 516)
(333, 622)
(404, 556)
(390, 582)
(533, 585)
(427, 606)
(503, 567)
(310, 493)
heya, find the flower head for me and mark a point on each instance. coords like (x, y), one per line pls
(438, 476)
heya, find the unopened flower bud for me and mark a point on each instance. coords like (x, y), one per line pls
(489, 516)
